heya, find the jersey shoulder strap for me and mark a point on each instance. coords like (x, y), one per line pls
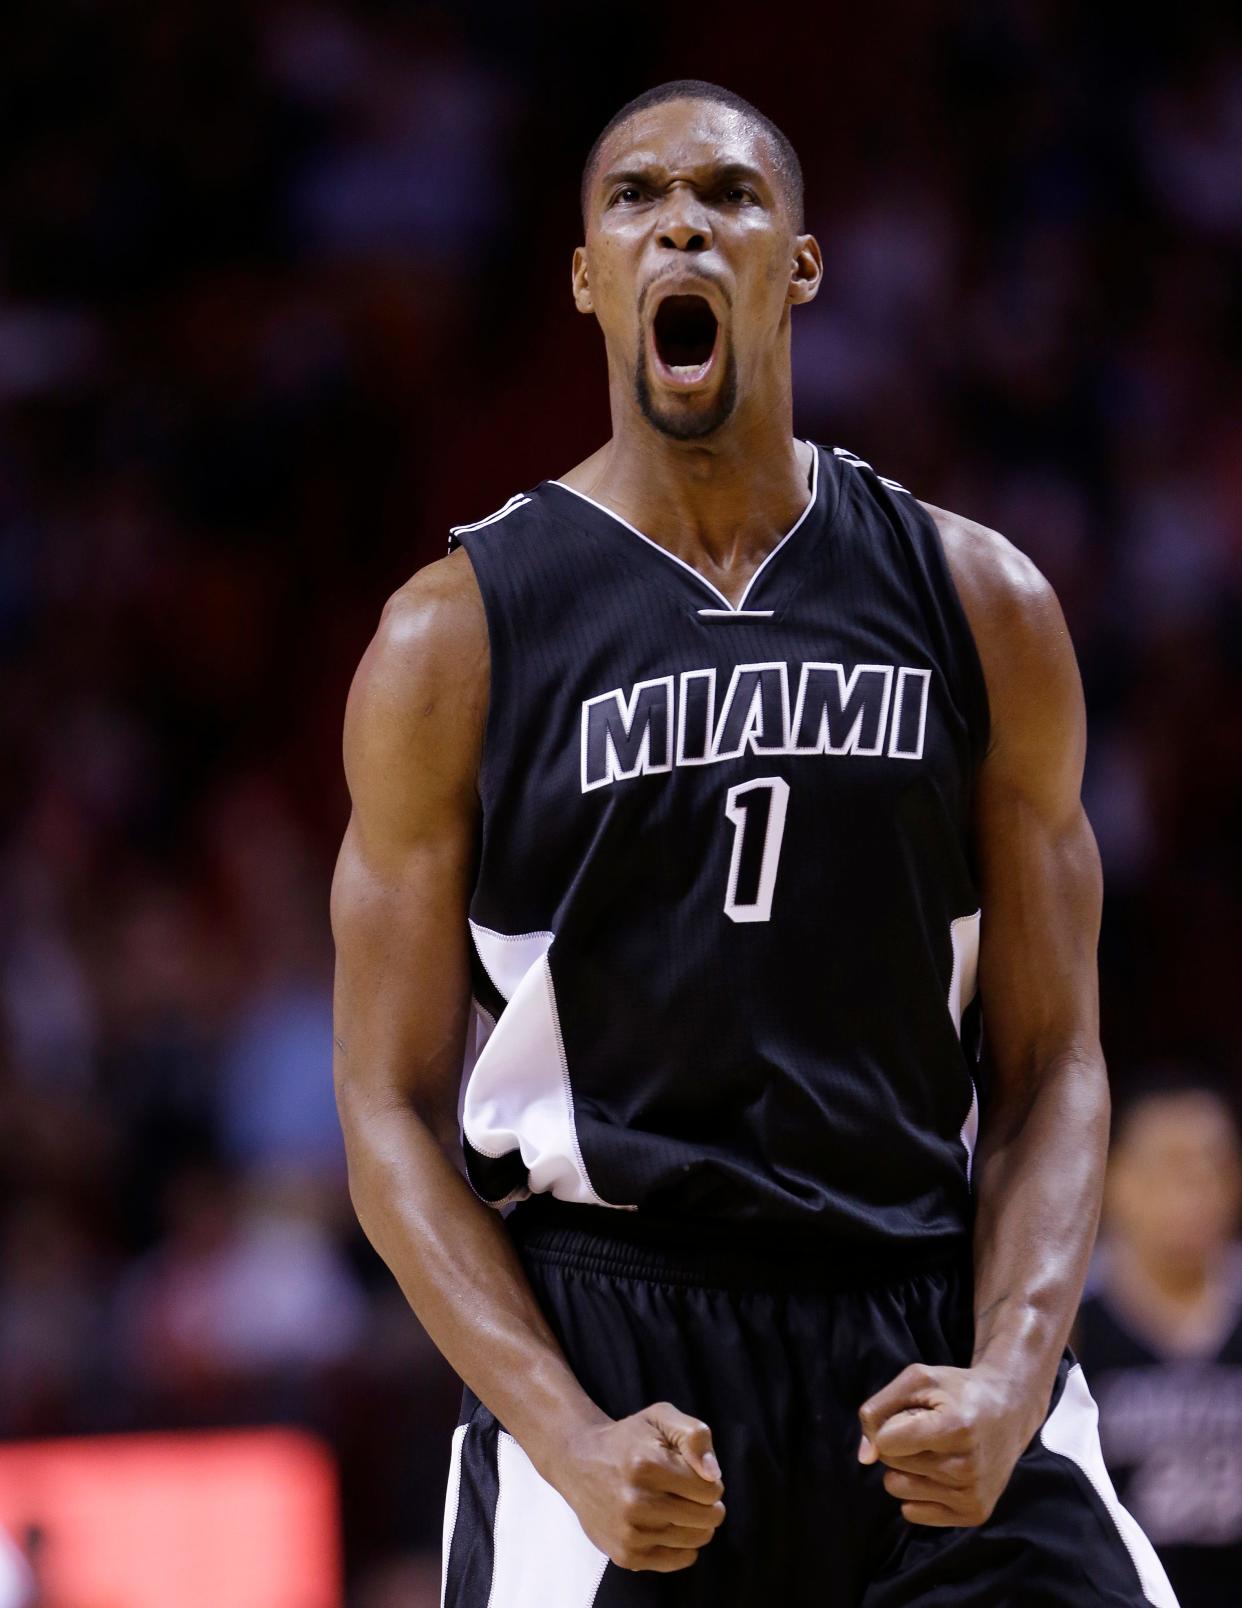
(520, 499)
(913, 551)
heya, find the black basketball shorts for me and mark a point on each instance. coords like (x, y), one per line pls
(776, 1353)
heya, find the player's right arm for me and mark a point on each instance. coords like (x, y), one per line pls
(646, 1488)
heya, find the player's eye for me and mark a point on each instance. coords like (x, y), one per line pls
(627, 193)
(735, 194)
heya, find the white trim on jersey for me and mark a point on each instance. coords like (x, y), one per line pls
(750, 585)
(518, 1094)
(856, 462)
(964, 937)
(963, 981)
(508, 956)
(634, 531)
(1071, 1430)
(689, 568)
(518, 500)
(969, 1133)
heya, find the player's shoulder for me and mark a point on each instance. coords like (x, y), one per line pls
(417, 705)
(437, 603)
(430, 646)
(992, 576)
(438, 617)
(995, 579)
(1018, 628)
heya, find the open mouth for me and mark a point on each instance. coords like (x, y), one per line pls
(684, 332)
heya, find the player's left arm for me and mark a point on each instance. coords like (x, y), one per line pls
(950, 1437)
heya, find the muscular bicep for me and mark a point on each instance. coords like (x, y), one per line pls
(1038, 865)
(402, 885)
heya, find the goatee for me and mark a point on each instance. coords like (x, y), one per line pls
(687, 427)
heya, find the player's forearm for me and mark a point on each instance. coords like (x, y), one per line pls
(1038, 1185)
(457, 1268)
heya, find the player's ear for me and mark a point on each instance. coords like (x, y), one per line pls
(581, 284)
(807, 270)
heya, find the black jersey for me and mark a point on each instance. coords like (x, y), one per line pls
(725, 921)
(1171, 1430)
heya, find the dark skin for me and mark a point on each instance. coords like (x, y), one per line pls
(664, 211)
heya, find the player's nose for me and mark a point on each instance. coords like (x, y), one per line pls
(684, 223)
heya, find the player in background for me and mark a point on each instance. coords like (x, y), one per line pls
(1160, 1334)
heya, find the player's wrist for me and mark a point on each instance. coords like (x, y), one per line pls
(1016, 1387)
(556, 1439)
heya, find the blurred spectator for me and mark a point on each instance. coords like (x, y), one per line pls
(51, 1321)
(1160, 1335)
(243, 1308)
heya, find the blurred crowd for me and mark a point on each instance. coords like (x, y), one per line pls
(283, 293)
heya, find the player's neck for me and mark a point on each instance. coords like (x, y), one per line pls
(726, 499)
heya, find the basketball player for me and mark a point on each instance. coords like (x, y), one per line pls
(694, 768)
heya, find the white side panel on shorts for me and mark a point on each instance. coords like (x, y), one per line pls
(518, 1095)
(450, 1507)
(1072, 1430)
(964, 937)
(543, 1558)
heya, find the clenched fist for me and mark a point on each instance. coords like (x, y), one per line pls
(949, 1439)
(646, 1488)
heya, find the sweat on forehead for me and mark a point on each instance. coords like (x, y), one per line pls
(748, 133)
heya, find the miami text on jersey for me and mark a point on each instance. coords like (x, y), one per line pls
(866, 710)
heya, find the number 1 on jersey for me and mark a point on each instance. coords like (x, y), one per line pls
(757, 811)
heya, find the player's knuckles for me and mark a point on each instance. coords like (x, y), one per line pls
(956, 1470)
(918, 1378)
(953, 1434)
(912, 1382)
(972, 1508)
(634, 1505)
(645, 1465)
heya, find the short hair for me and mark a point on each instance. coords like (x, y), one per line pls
(788, 167)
